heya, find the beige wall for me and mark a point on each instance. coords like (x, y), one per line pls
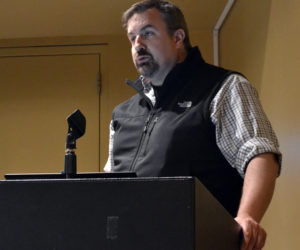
(261, 39)
(243, 38)
(280, 95)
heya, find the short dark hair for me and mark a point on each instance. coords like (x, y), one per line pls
(171, 14)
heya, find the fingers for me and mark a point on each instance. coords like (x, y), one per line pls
(254, 235)
(261, 239)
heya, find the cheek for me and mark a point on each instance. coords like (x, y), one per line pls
(166, 50)
(166, 55)
(133, 53)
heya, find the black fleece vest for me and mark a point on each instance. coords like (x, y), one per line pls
(176, 137)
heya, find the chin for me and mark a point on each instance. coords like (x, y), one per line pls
(145, 73)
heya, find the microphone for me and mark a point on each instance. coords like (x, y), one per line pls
(76, 129)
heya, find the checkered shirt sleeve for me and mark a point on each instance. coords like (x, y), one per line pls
(242, 128)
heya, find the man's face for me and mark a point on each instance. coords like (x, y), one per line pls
(153, 50)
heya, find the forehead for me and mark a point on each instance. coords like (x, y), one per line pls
(150, 17)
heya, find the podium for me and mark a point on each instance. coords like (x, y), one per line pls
(164, 213)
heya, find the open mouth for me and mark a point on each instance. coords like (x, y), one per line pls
(141, 60)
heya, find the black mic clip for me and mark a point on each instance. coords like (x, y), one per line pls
(76, 129)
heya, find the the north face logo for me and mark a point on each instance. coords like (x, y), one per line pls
(186, 104)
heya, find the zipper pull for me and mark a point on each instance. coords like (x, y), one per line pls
(147, 124)
(152, 127)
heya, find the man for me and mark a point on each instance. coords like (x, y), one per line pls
(191, 118)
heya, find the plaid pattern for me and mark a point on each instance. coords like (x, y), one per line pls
(242, 128)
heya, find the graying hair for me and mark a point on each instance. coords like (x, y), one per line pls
(170, 13)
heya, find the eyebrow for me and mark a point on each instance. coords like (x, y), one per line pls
(142, 29)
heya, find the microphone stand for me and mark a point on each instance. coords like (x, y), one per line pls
(70, 157)
(77, 123)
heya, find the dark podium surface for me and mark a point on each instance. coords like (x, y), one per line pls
(129, 213)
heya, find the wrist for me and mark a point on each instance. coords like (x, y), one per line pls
(252, 213)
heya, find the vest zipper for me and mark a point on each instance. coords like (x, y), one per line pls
(142, 138)
(147, 123)
(149, 134)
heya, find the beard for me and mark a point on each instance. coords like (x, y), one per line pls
(148, 67)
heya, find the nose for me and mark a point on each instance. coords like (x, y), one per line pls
(139, 43)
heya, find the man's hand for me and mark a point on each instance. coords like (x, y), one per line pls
(254, 235)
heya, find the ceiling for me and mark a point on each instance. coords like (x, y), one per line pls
(40, 18)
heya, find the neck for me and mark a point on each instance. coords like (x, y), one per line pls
(159, 79)
(182, 54)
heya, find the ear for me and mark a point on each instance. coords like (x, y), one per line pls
(179, 36)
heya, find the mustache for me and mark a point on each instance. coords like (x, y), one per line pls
(143, 52)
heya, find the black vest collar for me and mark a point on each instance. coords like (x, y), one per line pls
(177, 74)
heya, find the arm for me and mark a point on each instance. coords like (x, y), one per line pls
(259, 184)
(246, 145)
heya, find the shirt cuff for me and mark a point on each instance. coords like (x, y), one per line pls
(253, 148)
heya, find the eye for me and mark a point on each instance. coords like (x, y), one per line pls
(148, 34)
(132, 39)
